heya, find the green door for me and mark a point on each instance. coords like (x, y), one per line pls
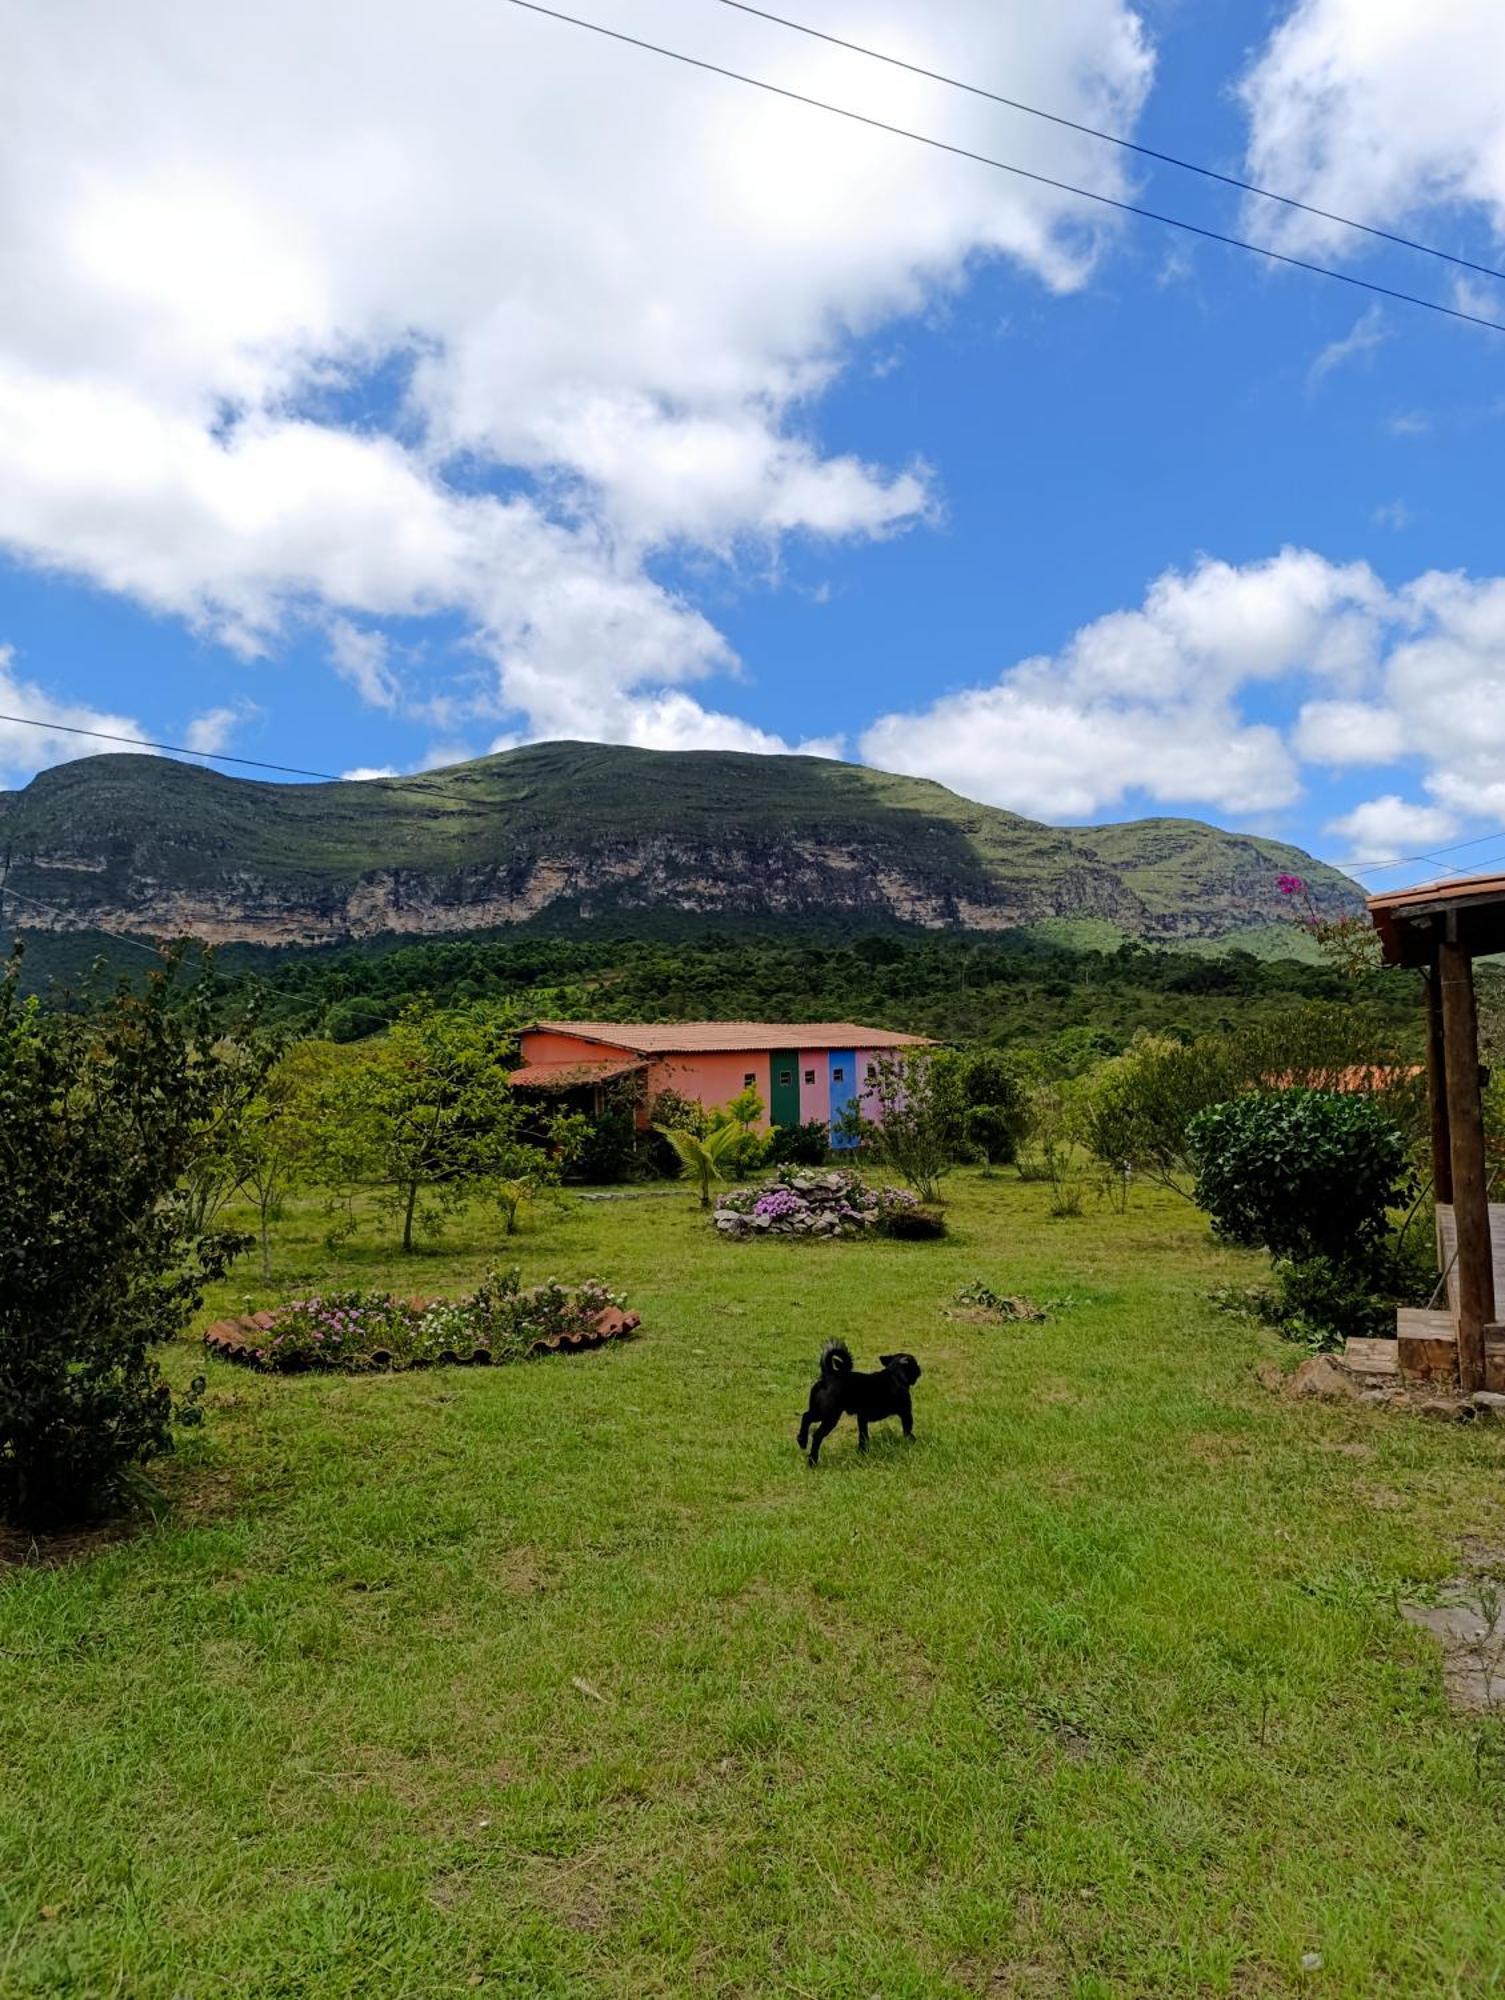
(784, 1087)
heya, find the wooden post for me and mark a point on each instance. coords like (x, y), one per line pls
(1476, 1276)
(1437, 1091)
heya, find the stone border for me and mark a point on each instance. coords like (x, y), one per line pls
(239, 1339)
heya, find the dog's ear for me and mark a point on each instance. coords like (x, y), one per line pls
(903, 1365)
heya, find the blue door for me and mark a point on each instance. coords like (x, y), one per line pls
(844, 1091)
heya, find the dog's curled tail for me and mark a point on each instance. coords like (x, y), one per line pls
(835, 1359)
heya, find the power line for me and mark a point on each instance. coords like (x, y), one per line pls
(178, 749)
(1405, 860)
(36, 902)
(1114, 139)
(1003, 166)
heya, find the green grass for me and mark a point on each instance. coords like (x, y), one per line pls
(1097, 1688)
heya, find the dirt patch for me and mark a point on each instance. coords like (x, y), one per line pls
(1468, 1616)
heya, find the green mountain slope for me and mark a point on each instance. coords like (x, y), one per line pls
(576, 832)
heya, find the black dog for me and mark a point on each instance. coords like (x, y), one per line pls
(842, 1392)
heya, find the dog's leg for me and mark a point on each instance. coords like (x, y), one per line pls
(862, 1433)
(906, 1418)
(805, 1422)
(823, 1431)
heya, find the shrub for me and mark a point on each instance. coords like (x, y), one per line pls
(1301, 1173)
(103, 1116)
(804, 1145)
(913, 1225)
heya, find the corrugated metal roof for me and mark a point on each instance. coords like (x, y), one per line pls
(653, 1038)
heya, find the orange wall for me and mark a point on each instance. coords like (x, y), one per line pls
(711, 1079)
(542, 1045)
(705, 1079)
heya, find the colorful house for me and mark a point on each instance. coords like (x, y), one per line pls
(802, 1070)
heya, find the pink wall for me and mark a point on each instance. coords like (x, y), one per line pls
(815, 1098)
(864, 1088)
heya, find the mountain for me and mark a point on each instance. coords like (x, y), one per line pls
(571, 832)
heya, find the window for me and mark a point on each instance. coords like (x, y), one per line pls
(749, 1082)
(809, 1076)
(872, 1072)
(786, 1079)
(838, 1076)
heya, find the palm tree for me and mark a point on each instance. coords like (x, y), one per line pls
(703, 1156)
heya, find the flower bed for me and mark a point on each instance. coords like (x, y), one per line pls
(837, 1203)
(353, 1332)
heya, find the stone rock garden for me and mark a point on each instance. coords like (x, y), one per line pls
(834, 1203)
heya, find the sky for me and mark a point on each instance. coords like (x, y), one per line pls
(382, 385)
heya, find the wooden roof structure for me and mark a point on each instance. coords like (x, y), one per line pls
(1441, 928)
(1410, 921)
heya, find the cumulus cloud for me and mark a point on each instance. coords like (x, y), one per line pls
(1376, 109)
(213, 730)
(1387, 828)
(1146, 699)
(601, 285)
(1154, 700)
(24, 750)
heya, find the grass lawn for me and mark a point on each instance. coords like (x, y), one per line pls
(570, 1679)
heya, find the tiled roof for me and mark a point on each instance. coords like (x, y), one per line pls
(571, 1075)
(655, 1038)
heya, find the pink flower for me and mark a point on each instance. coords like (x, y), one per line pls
(1290, 885)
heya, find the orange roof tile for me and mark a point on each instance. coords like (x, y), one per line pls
(571, 1075)
(653, 1038)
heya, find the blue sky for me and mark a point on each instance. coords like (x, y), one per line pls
(498, 383)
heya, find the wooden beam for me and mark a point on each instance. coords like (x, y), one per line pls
(1476, 1275)
(1437, 1089)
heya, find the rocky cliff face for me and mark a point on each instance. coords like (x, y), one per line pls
(143, 845)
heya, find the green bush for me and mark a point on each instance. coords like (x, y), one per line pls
(1301, 1173)
(804, 1145)
(104, 1116)
(912, 1225)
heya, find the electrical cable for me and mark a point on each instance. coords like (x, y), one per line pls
(1005, 167)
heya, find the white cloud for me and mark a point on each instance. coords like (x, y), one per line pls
(363, 771)
(619, 293)
(1349, 732)
(1387, 828)
(24, 751)
(1152, 700)
(213, 730)
(1377, 109)
(1363, 337)
(1146, 699)
(360, 657)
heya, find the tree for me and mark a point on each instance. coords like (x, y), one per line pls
(1133, 1113)
(915, 1123)
(995, 1091)
(105, 1113)
(275, 1134)
(422, 1114)
(705, 1156)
